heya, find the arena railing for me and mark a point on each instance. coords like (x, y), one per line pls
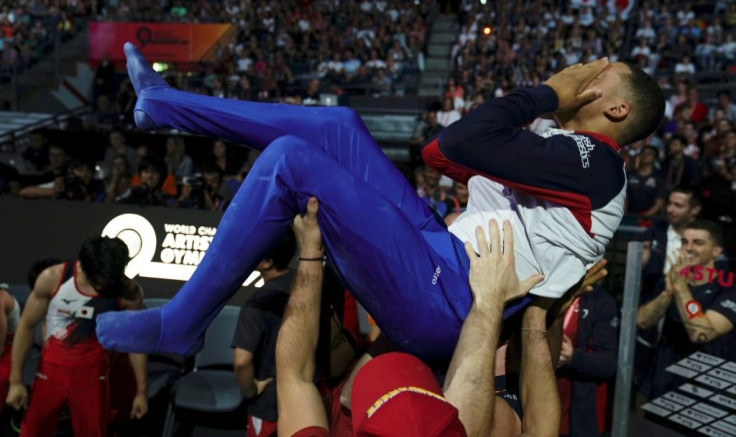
(9, 140)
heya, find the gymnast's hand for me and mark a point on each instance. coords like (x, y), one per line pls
(571, 84)
(493, 278)
(306, 230)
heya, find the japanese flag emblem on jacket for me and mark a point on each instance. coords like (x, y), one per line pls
(85, 312)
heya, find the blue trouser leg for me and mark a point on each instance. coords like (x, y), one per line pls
(340, 132)
(412, 281)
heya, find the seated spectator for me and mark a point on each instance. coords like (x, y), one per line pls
(105, 116)
(700, 110)
(642, 50)
(685, 66)
(58, 166)
(169, 184)
(694, 277)
(646, 190)
(705, 53)
(460, 200)
(374, 63)
(176, 158)
(335, 68)
(456, 92)
(381, 83)
(118, 180)
(727, 50)
(645, 31)
(220, 156)
(152, 172)
(677, 168)
(311, 95)
(360, 80)
(435, 194)
(36, 155)
(587, 361)
(690, 133)
(724, 103)
(119, 147)
(206, 191)
(79, 184)
(351, 63)
(426, 128)
(682, 47)
(720, 184)
(719, 163)
(43, 185)
(448, 114)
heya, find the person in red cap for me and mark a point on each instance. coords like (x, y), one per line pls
(397, 394)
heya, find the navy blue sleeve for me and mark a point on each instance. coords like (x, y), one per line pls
(598, 357)
(577, 170)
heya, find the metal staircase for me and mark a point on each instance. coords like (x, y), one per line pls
(438, 66)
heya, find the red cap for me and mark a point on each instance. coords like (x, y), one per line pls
(397, 395)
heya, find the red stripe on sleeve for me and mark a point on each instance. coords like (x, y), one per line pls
(579, 205)
(434, 158)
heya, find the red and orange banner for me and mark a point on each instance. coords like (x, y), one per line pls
(162, 42)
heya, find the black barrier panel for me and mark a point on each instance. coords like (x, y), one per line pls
(165, 243)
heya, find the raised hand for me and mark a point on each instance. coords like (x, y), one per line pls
(306, 230)
(570, 84)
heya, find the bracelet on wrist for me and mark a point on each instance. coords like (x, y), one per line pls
(320, 259)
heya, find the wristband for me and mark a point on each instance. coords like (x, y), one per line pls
(320, 259)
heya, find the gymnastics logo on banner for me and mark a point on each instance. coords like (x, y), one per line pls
(179, 253)
(162, 42)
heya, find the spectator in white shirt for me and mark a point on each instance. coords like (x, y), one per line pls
(646, 30)
(586, 16)
(685, 14)
(448, 114)
(685, 66)
(642, 50)
(727, 50)
(374, 63)
(705, 52)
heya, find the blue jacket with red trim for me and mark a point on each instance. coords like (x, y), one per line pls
(565, 189)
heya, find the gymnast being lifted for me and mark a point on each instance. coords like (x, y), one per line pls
(562, 193)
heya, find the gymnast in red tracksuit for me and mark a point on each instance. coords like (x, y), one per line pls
(74, 368)
(563, 195)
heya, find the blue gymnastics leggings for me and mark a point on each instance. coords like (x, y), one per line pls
(388, 247)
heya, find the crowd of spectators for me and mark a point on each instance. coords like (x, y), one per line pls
(28, 30)
(503, 45)
(295, 50)
(679, 41)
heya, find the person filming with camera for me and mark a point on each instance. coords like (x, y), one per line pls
(206, 190)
